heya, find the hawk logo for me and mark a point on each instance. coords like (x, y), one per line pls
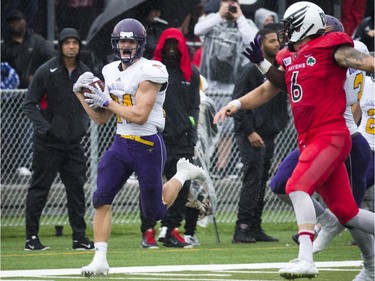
(311, 61)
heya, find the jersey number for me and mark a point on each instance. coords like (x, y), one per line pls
(295, 89)
(370, 124)
(126, 101)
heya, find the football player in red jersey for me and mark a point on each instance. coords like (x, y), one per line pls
(314, 70)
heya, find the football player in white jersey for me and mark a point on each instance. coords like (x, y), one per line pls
(134, 91)
(367, 125)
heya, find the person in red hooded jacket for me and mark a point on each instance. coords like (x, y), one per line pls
(181, 108)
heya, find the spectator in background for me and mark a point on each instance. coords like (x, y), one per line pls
(149, 14)
(264, 17)
(365, 32)
(79, 14)
(225, 34)
(352, 12)
(59, 125)
(9, 77)
(23, 49)
(181, 107)
(255, 132)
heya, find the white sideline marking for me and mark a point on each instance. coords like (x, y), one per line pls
(169, 268)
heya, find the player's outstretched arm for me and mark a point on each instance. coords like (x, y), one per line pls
(347, 56)
(251, 100)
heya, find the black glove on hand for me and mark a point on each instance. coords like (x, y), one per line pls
(254, 52)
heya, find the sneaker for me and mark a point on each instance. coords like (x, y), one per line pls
(260, 236)
(148, 239)
(299, 269)
(192, 172)
(192, 239)
(174, 239)
(95, 268)
(83, 244)
(33, 244)
(242, 235)
(367, 272)
(330, 228)
(162, 233)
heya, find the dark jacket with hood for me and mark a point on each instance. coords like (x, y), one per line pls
(267, 120)
(57, 115)
(182, 99)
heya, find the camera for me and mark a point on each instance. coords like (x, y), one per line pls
(232, 9)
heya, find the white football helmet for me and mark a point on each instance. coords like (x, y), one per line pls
(303, 19)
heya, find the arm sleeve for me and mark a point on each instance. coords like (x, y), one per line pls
(31, 103)
(247, 29)
(206, 24)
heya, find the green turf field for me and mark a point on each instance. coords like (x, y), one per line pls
(124, 251)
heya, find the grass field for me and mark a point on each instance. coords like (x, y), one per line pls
(221, 261)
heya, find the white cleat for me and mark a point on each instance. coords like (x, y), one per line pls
(193, 240)
(330, 228)
(95, 268)
(368, 271)
(299, 269)
(192, 172)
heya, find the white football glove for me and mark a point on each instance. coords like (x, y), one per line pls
(96, 99)
(83, 80)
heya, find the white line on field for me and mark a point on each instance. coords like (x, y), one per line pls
(169, 268)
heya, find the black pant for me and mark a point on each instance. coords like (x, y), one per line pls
(256, 166)
(47, 162)
(176, 212)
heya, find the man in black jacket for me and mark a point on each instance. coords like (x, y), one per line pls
(60, 122)
(180, 135)
(255, 132)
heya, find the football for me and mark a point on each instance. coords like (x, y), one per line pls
(97, 83)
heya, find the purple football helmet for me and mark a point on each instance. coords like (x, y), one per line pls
(333, 24)
(129, 29)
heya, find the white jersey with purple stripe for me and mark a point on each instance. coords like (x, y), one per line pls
(354, 86)
(122, 87)
(367, 103)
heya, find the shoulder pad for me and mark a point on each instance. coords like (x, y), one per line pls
(154, 71)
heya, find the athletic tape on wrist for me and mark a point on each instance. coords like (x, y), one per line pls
(236, 103)
(264, 66)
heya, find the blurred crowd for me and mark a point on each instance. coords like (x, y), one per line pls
(94, 19)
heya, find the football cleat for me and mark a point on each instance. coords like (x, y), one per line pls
(299, 269)
(191, 171)
(95, 268)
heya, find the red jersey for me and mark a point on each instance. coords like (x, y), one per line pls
(316, 83)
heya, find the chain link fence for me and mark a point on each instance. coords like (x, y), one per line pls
(16, 156)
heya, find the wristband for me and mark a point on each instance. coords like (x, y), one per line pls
(236, 103)
(264, 66)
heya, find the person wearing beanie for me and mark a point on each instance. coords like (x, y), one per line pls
(60, 123)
